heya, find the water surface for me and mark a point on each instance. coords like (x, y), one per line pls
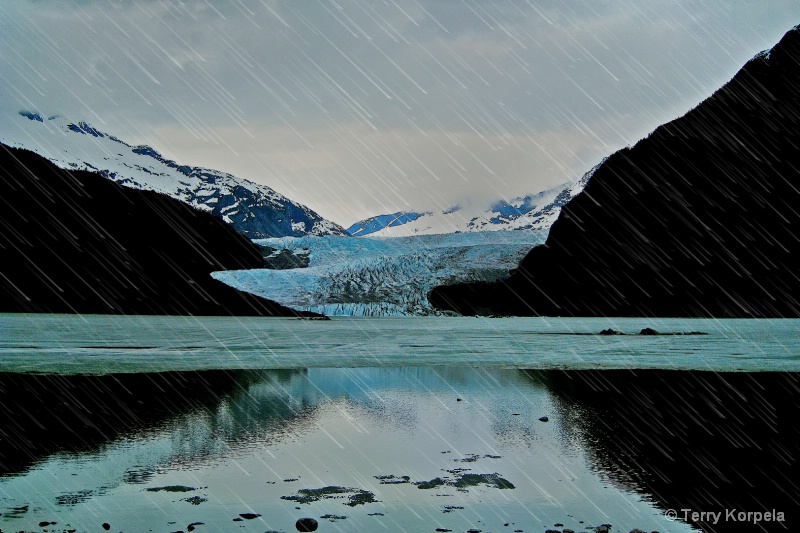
(157, 423)
(100, 344)
(267, 436)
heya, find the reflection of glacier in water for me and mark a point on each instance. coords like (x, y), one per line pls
(256, 438)
(381, 276)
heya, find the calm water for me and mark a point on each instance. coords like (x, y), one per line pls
(102, 344)
(273, 433)
(420, 423)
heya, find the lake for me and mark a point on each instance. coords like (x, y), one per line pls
(100, 344)
(393, 424)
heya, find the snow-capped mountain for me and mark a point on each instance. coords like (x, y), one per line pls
(532, 212)
(256, 211)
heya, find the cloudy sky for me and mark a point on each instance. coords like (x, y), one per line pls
(358, 108)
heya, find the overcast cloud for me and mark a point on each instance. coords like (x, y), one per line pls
(357, 108)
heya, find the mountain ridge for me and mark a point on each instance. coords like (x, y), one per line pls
(255, 210)
(535, 211)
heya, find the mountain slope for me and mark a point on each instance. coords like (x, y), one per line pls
(532, 212)
(254, 210)
(75, 242)
(699, 219)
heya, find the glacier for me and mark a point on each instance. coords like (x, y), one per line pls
(381, 276)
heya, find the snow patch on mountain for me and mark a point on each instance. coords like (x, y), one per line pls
(531, 212)
(254, 210)
(373, 225)
(381, 276)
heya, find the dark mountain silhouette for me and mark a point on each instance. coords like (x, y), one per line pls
(701, 218)
(75, 242)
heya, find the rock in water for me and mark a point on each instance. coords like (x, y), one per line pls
(306, 524)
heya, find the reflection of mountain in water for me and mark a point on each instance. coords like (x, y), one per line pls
(42, 415)
(694, 440)
(206, 414)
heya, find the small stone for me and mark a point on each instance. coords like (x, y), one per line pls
(637, 531)
(649, 331)
(306, 524)
(106, 526)
(249, 516)
(458, 399)
(610, 331)
(543, 419)
(558, 525)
